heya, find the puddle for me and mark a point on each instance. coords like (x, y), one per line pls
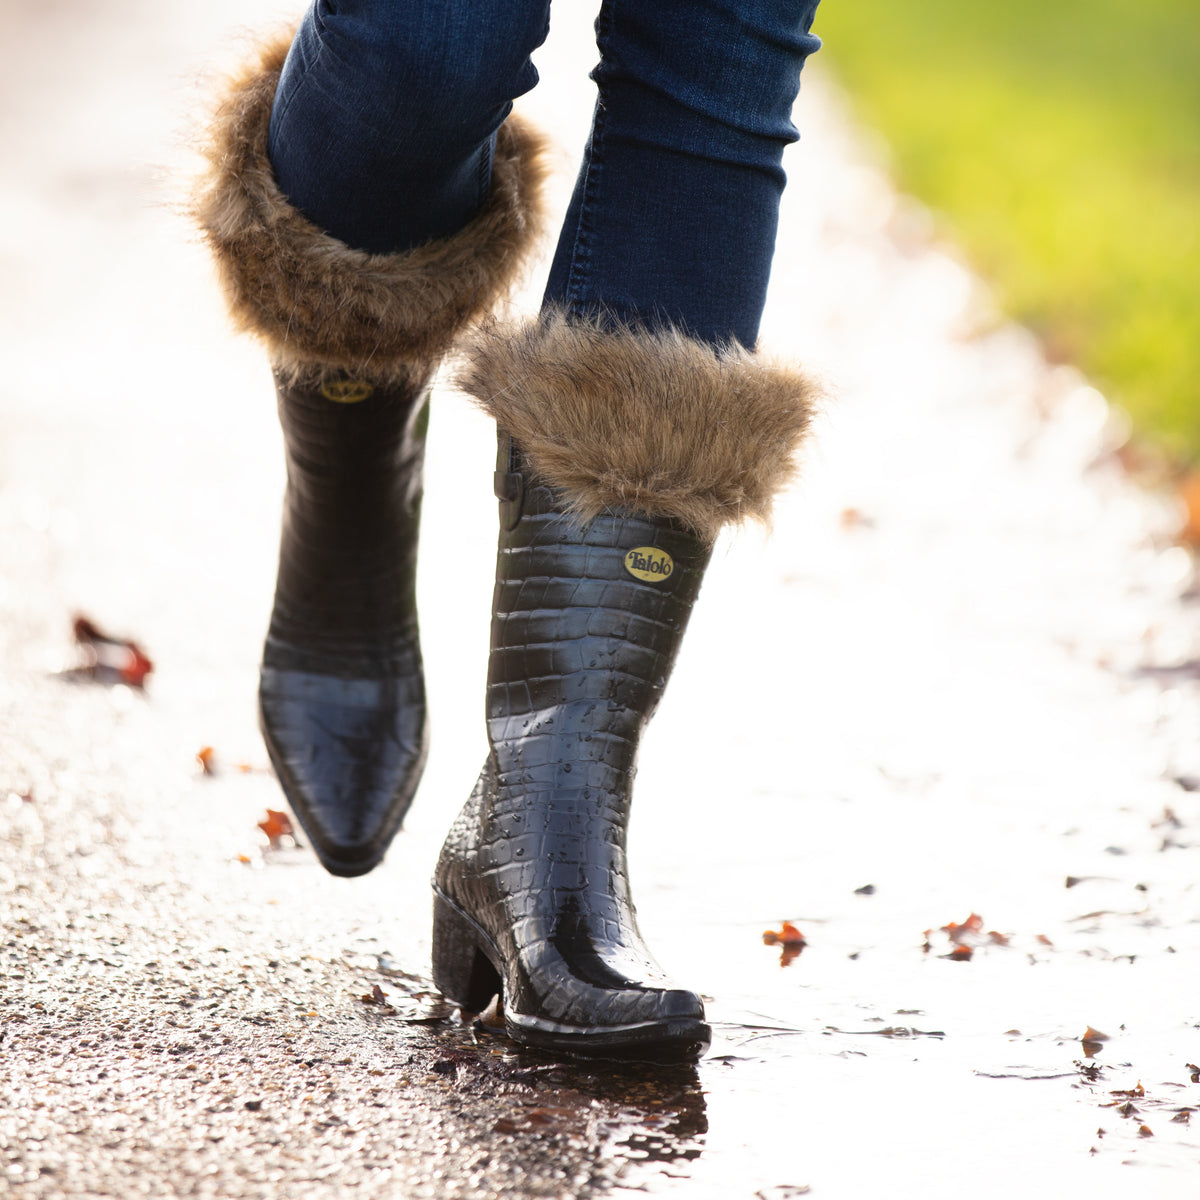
(821, 1084)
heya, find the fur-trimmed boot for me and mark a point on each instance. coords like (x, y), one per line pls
(354, 339)
(622, 455)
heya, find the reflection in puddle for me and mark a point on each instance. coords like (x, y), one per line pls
(639, 1113)
(615, 1124)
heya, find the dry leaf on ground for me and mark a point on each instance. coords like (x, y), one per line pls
(276, 825)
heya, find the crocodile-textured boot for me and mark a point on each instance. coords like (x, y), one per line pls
(354, 339)
(341, 692)
(622, 456)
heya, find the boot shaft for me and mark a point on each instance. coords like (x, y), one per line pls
(348, 545)
(587, 621)
(353, 462)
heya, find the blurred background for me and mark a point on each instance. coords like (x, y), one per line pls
(1060, 143)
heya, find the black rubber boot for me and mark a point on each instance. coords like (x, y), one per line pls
(531, 892)
(342, 695)
(636, 448)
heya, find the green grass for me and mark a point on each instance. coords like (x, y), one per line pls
(1061, 141)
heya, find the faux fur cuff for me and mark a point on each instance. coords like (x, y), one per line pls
(319, 305)
(653, 423)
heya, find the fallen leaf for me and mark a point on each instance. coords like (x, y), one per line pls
(1145, 1131)
(1093, 1035)
(788, 935)
(206, 757)
(1135, 1092)
(1044, 940)
(973, 924)
(108, 659)
(1001, 939)
(277, 825)
(960, 953)
(789, 938)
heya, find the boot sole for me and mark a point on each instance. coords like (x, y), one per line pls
(467, 970)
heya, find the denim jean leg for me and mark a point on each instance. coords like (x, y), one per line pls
(386, 113)
(675, 210)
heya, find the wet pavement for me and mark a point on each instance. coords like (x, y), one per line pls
(963, 677)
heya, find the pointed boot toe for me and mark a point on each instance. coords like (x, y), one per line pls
(349, 755)
(628, 1008)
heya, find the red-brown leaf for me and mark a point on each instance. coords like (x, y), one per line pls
(276, 825)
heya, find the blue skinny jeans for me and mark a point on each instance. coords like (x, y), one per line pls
(385, 122)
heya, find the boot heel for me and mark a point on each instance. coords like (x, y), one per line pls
(462, 971)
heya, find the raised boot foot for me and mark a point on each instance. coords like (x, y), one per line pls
(342, 694)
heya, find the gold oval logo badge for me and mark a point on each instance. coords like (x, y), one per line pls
(347, 391)
(649, 564)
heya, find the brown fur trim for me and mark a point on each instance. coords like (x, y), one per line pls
(652, 423)
(316, 303)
